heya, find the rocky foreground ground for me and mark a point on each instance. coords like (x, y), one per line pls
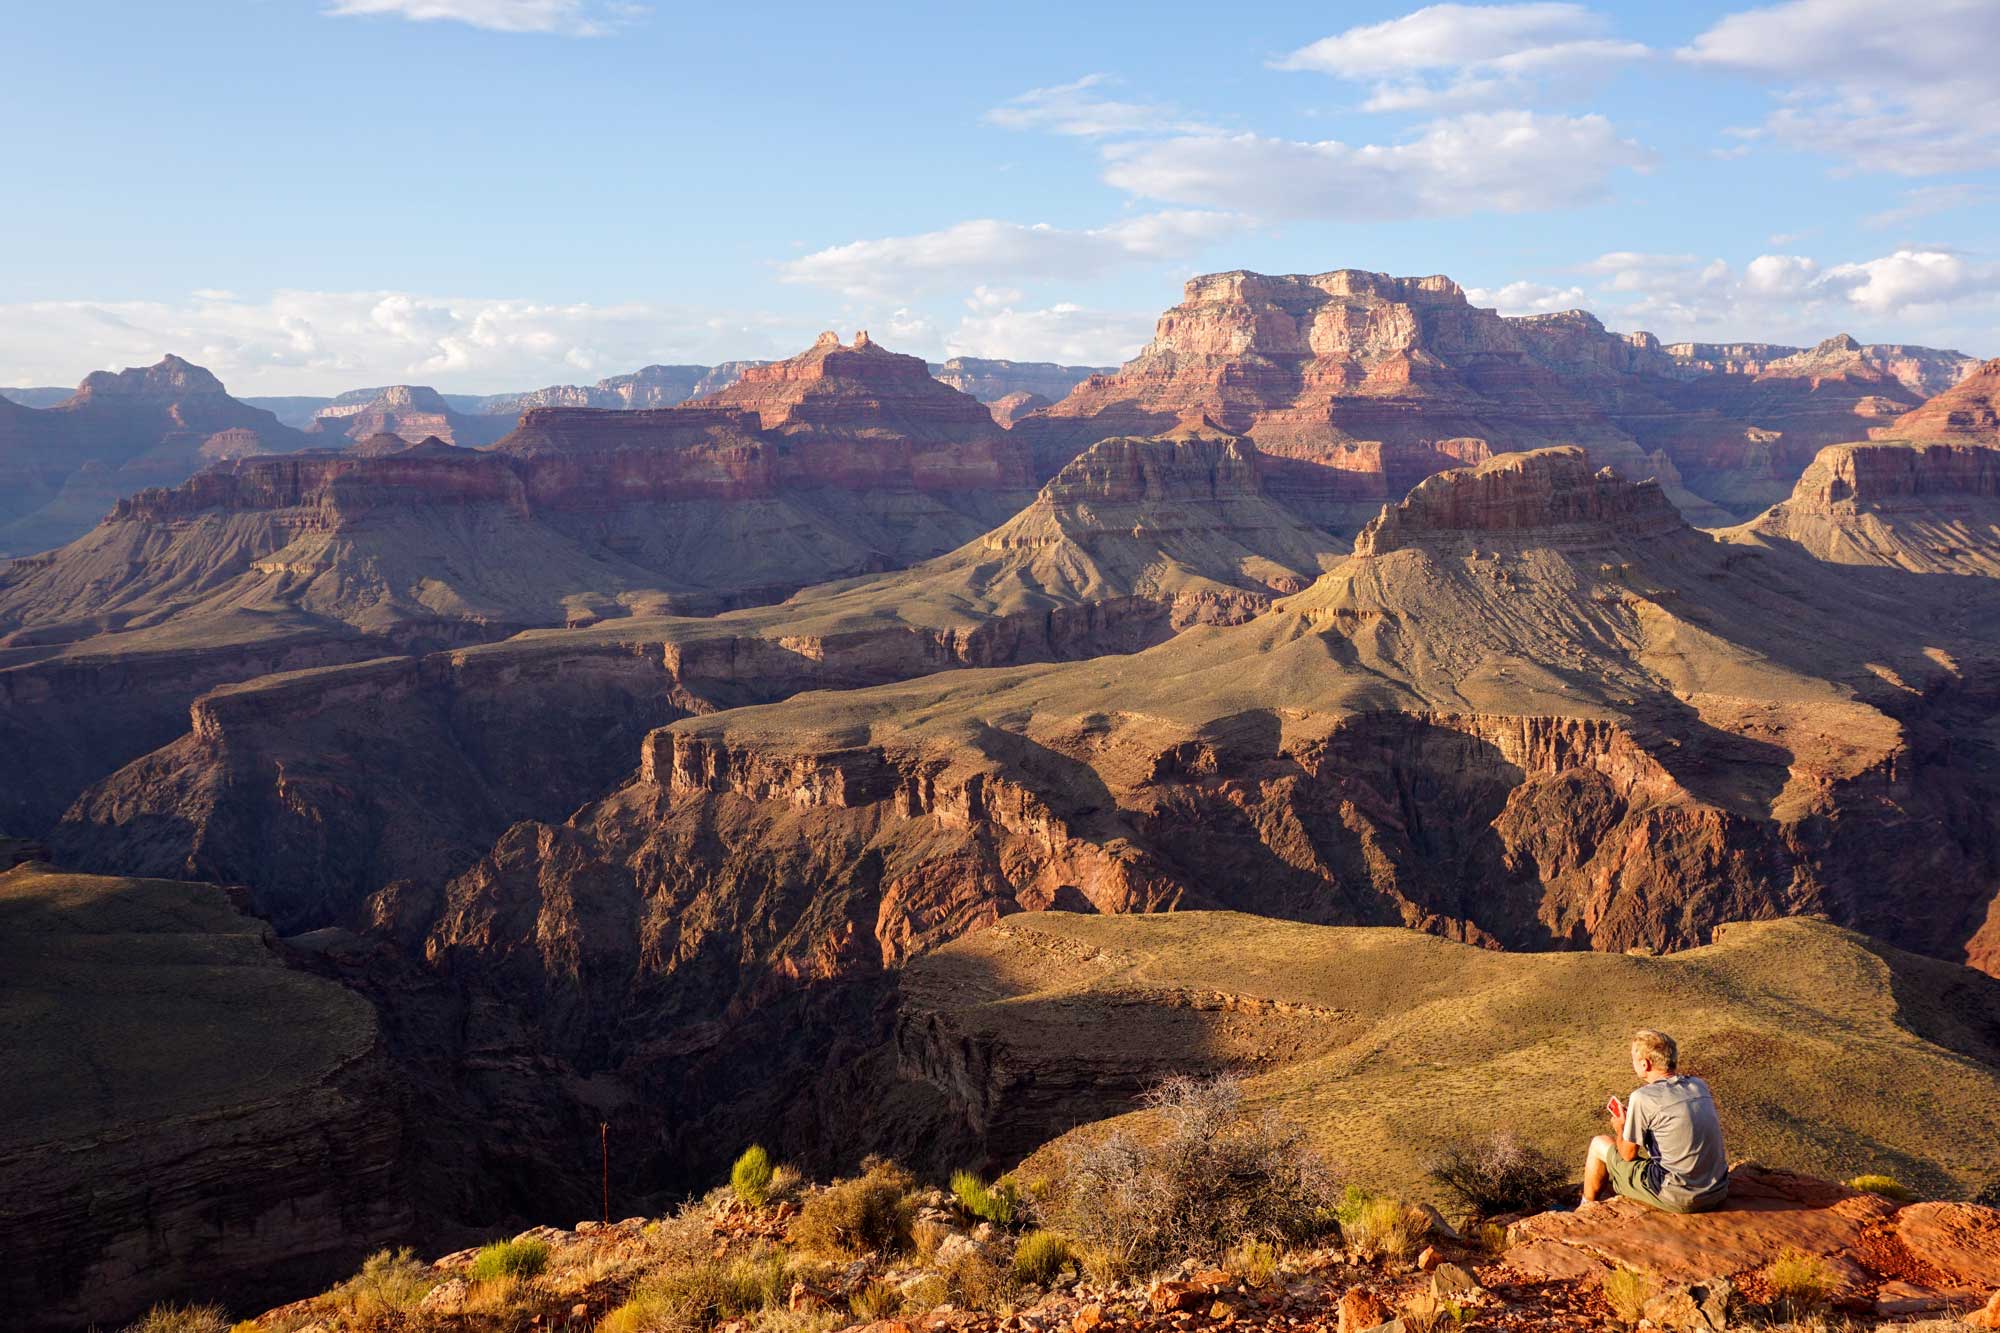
(1788, 1250)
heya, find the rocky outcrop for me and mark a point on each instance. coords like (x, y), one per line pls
(1009, 408)
(411, 412)
(1521, 498)
(61, 468)
(1968, 413)
(1928, 508)
(142, 1156)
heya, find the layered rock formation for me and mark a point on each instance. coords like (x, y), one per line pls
(1044, 1022)
(1924, 371)
(989, 380)
(647, 387)
(1010, 408)
(183, 1110)
(412, 412)
(63, 467)
(1968, 413)
(300, 785)
(1927, 508)
(577, 515)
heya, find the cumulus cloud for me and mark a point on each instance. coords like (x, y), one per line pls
(1527, 298)
(1064, 332)
(305, 342)
(989, 251)
(569, 18)
(1079, 108)
(1910, 92)
(1918, 295)
(1500, 161)
(1454, 56)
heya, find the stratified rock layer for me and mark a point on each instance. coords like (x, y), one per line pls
(182, 1110)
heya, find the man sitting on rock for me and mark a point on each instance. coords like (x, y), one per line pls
(1665, 1148)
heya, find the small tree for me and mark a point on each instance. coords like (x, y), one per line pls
(751, 1176)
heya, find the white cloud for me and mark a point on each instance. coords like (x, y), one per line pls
(1910, 91)
(1078, 109)
(1925, 201)
(986, 250)
(1454, 56)
(1527, 298)
(569, 18)
(1067, 333)
(1909, 295)
(307, 342)
(1502, 161)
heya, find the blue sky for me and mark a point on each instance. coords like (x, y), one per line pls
(308, 195)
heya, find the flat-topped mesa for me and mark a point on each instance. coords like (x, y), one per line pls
(1548, 496)
(1572, 340)
(410, 411)
(1243, 286)
(1163, 469)
(334, 484)
(857, 390)
(1888, 475)
(1968, 412)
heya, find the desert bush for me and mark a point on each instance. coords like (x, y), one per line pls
(973, 1280)
(1493, 1239)
(751, 1176)
(875, 1299)
(1254, 1260)
(1801, 1283)
(786, 1183)
(1498, 1174)
(872, 1211)
(1626, 1291)
(1104, 1265)
(997, 1203)
(1199, 1177)
(389, 1280)
(1041, 1256)
(1373, 1226)
(509, 1258)
(182, 1319)
(927, 1294)
(1886, 1186)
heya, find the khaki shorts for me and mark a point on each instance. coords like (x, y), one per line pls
(1629, 1179)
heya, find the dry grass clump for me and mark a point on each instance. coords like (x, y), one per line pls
(875, 1299)
(171, 1318)
(1626, 1291)
(926, 1237)
(1253, 1260)
(509, 1258)
(973, 1281)
(390, 1281)
(1373, 1226)
(1498, 1174)
(1886, 1186)
(871, 1212)
(1204, 1176)
(1040, 1257)
(1427, 1312)
(702, 1294)
(751, 1176)
(1801, 1284)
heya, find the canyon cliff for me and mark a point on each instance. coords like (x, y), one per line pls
(62, 467)
(412, 412)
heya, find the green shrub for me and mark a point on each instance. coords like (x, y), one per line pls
(1381, 1226)
(1499, 1174)
(1200, 1176)
(1886, 1186)
(1801, 1283)
(1626, 1291)
(751, 1176)
(182, 1319)
(998, 1203)
(873, 1211)
(510, 1258)
(1041, 1256)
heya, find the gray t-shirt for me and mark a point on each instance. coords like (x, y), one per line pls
(1674, 1121)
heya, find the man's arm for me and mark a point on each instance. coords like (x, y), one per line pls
(1626, 1128)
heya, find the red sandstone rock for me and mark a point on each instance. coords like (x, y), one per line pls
(1960, 1240)
(1969, 412)
(1361, 1309)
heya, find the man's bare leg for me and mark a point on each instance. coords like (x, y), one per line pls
(1597, 1170)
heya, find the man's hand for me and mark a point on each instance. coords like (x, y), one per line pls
(1616, 1110)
